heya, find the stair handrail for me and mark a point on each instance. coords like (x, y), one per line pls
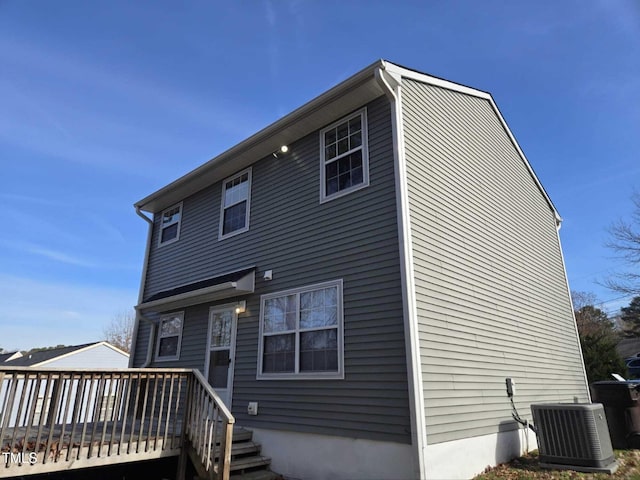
(208, 422)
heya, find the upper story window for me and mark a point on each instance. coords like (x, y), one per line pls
(170, 224)
(170, 336)
(236, 199)
(301, 333)
(344, 156)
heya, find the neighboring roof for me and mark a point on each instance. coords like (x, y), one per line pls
(44, 356)
(5, 357)
(340, 100)
(240, 282)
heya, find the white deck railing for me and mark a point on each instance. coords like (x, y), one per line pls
(53, 419)
(209, 427)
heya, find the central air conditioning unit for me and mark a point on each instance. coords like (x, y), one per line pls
(574, 436)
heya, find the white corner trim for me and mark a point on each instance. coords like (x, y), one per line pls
(412, 341)
(575, 325)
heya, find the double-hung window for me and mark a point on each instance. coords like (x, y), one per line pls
(344, 156)
(170, 224)
(301, 333)
(236, 199)
(170, 336)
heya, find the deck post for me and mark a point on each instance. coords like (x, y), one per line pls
(184, 457)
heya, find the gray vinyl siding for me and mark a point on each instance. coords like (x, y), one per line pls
(492, 299)
(142, 342)
(353, 238)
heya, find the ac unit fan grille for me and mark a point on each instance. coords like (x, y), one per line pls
(573, 434)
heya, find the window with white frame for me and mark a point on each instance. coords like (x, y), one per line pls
(301, 333)
(170, 224)
(169, 336)
(236, 199)
(344, 156)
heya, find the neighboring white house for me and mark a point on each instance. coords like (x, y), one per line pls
(90, 355)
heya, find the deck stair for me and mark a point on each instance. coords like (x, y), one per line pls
(247, 462)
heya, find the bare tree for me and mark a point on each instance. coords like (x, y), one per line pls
(119, 332)
(582, 299)
(625, 242)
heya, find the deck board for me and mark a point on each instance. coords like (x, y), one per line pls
(77, 452)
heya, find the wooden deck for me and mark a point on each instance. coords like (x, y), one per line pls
(55, 420)
(101, 443)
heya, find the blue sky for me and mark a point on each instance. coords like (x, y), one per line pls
(102, 103)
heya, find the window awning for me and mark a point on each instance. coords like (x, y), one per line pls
(241, 282)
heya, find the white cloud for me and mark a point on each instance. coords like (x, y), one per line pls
(57, 256)
(37, 314)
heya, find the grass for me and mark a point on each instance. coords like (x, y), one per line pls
(528, 468)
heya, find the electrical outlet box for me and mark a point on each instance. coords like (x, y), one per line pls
(511, 387)
(252, 409)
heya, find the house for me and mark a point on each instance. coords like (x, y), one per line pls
(89, 355)
(7, 356)
(357, 280)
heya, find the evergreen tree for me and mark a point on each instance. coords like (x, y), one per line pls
(631, 318)
(598, 339)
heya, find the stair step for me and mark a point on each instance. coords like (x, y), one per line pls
(242, 435)
(257, 475)
(244, 463)
(241, 448)
(244, 448)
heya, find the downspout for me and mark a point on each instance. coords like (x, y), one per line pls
(409, 305)
(143, 281)
(573, 315)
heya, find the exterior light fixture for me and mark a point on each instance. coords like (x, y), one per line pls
(241, 306)
(283, 149)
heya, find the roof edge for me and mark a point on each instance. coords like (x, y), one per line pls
(268, 131)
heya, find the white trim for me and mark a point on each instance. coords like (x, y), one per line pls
(242, 286)
(143, 281)
(575, 324)
(339, 374)
(289, 128)
(282, 132)
(232, 347)
(467, 457)
(223, 207)
(163, 227)
(399, 71)
(159, 336)
(409, 304)
(364, 148)
(298, 455)
(439, 82)
(13, 356)
(114, 348)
